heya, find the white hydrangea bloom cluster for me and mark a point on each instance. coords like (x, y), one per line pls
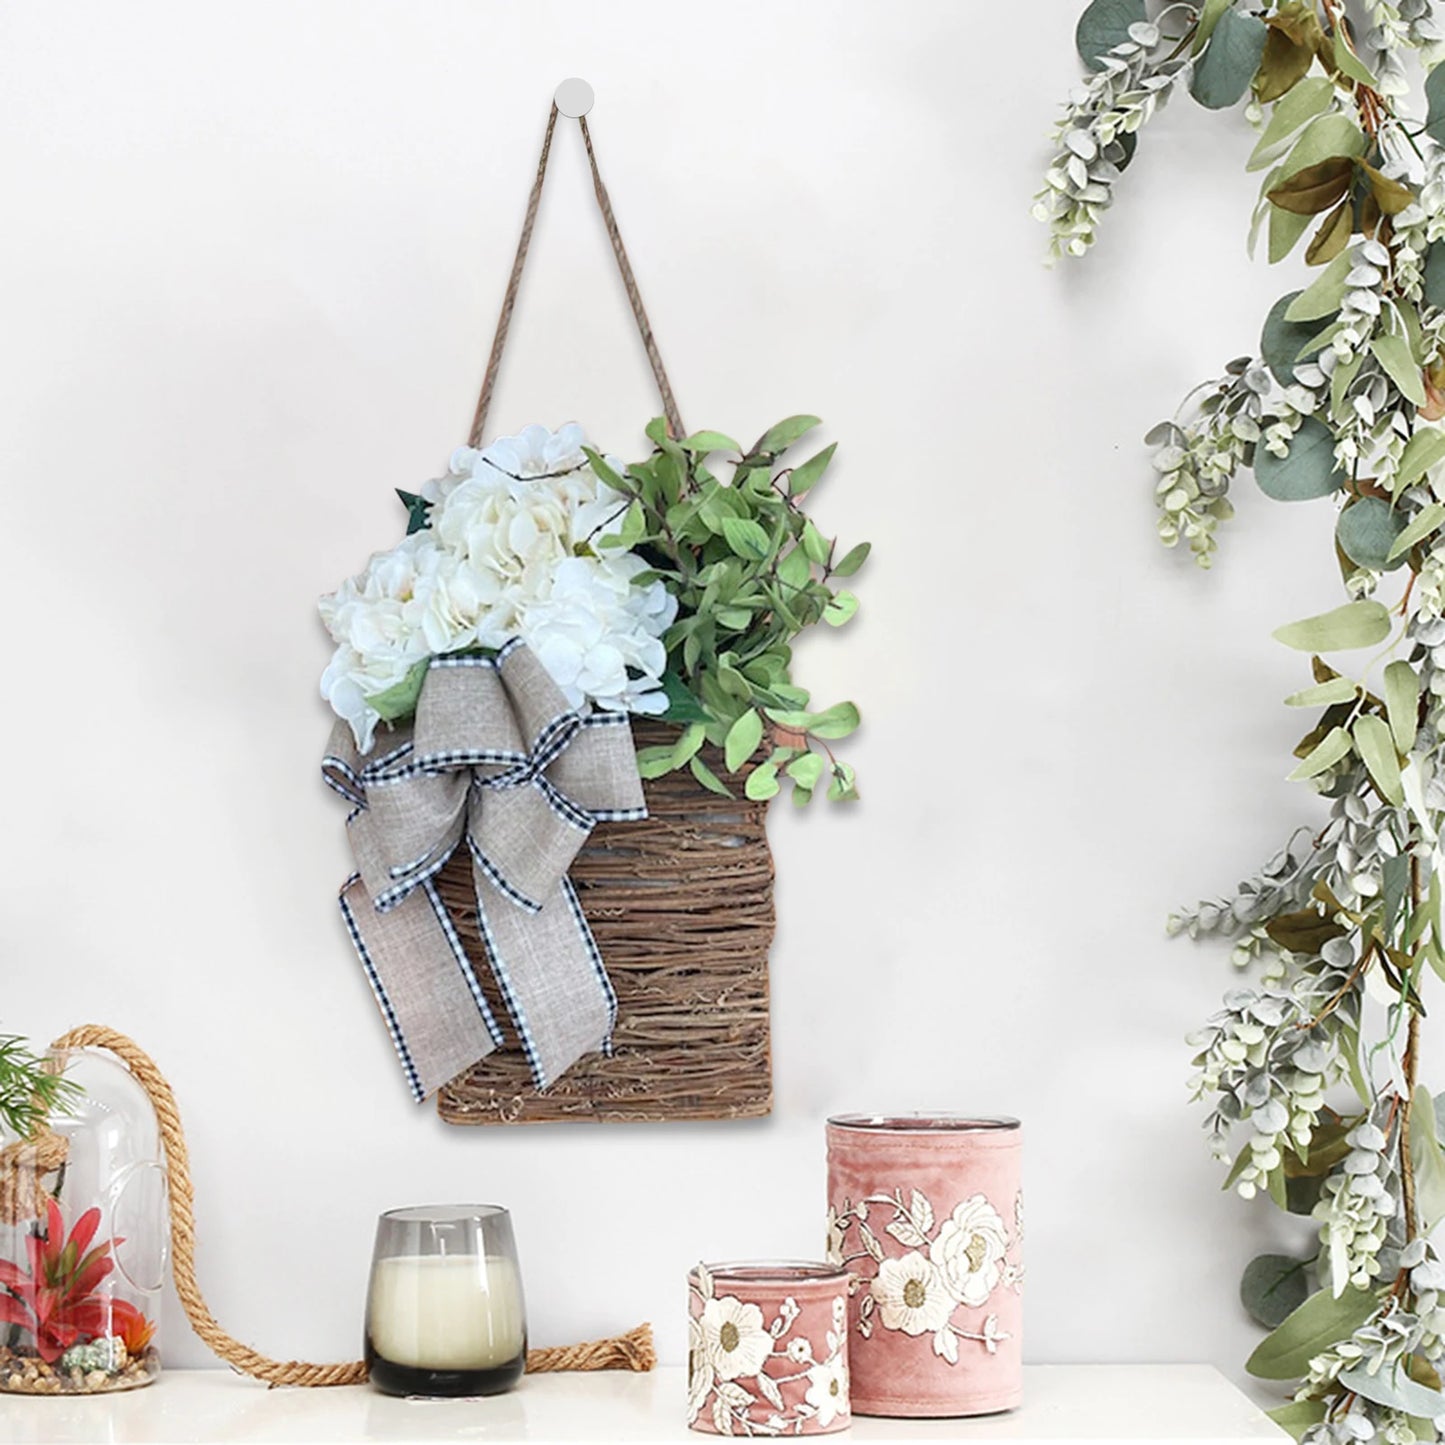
(509, 552)
(1096, 137)
(1355, 1211)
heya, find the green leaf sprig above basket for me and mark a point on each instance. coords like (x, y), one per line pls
(1311, 1072)
(750, 571)
(673, 588)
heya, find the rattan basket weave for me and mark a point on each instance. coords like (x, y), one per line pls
(682, 908)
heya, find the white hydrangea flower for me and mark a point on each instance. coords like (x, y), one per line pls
(510, 552)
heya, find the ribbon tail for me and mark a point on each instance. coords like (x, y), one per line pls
(550, 972)
(436, 1015)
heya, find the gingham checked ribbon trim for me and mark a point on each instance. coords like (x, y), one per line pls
(497, 762)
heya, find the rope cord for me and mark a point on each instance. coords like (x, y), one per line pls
(632, 1351)
(629, 282)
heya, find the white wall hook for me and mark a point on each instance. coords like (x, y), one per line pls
(574, 98)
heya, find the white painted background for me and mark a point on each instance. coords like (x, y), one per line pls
(250, 261)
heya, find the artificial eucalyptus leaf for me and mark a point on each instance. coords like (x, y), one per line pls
(840, 609)
(1394, 1389)
(1390, 195)
(1303, 104)
(1305, 931)
(1324, 694)
(1321, 1321)
(1435, 105)
(1283, 65)
(1402, 702)
(1209, 14)
(1306, 471)
(1349, 63)
(1105, 24)
(852, 560)
(1281, 341)
(1428, 1161)
(1366, 531)
(1425, 449)
(1335, 745)
(1324, 295)
(1274, 1286)
(1315, 188)
(1333, 235)
(1223, 72)
(1332, 134)
(1392, 351)
(1420, 526)
(1435, 272)
(1361, 623)
(1285, 230)
(1376, 746)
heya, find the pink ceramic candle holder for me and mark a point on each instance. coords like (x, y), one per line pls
(927, 1213)
(768, 1349)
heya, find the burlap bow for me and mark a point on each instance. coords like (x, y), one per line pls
(497, 760)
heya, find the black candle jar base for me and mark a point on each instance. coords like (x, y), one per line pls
(394, 1379)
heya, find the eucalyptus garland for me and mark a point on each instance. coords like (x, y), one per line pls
(1311, 1073)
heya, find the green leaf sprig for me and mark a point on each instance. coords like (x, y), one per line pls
(29, 1091)
(750, 571)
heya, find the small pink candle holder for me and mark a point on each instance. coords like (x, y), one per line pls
(927, 1213)
(768, 1349)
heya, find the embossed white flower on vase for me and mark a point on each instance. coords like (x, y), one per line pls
(735, 1340)
(828, 1389)
(969, 1250)
(912, 1295)
(700, 1376)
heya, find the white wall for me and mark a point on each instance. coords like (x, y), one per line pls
(251, 258)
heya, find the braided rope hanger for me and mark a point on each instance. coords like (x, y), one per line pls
(629, 282)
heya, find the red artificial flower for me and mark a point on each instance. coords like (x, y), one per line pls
(57, 1300)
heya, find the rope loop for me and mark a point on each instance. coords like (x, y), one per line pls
(23, 1163)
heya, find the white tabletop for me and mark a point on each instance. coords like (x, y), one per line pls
(1062, 1402)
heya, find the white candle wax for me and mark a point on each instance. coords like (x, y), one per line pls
(446, 1312)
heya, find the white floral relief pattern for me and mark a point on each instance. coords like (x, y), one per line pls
(730, 1346)
(961, 1261)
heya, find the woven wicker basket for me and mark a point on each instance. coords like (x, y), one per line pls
(682, 908)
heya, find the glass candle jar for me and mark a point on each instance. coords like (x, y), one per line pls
(444, 1313)
(926, 1211)
(84, 1242)
(768, 1349)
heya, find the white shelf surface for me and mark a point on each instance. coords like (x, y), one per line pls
(1061, 1402)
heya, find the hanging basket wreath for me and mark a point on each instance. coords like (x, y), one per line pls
(486, 672)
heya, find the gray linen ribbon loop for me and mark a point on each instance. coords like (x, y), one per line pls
(495, 760)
